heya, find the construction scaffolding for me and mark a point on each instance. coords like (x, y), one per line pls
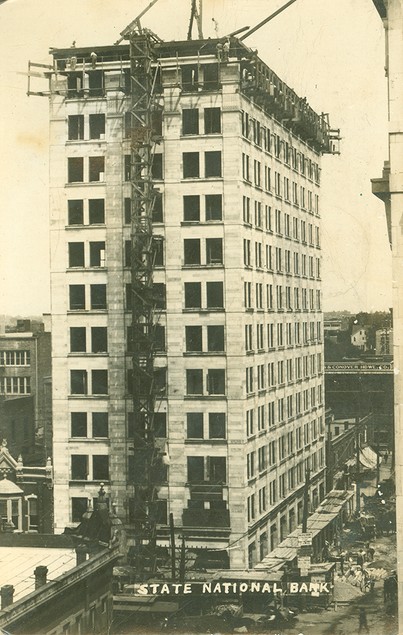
(147, 457)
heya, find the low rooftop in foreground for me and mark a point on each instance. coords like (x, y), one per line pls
(17, 566)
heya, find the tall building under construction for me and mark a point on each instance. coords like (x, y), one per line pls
(186, 292)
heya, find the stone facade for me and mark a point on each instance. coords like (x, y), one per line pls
(240, 347)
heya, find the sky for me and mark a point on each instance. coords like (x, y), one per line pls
(330, 52)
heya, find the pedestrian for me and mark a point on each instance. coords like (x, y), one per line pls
(363, 621)
(370, 552)
(386, 456)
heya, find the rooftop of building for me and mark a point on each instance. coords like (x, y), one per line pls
(11, 327)
(258, 82)
(184, 48)
(17, 565)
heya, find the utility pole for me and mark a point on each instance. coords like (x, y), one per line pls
(377, 464)
(172, 540)
(357, 464)
(357, 447)
(330, 457)
(182, 561)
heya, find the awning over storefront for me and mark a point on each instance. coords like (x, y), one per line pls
(368, 457)
(248, 575)
(328, 510)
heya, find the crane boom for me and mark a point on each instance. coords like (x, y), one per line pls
(196, 14)
(133, 23)
(266, 20)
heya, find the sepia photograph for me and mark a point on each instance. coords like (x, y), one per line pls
(201, 316)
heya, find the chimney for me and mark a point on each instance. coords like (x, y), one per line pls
(40, 576)
(6, 594)
(81, 554)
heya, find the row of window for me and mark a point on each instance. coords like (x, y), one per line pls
(84, 426)
(195, 77)
(208, 339)
(295, 369)
(207, 426)
(282, 223)
(93, 297)
(264, 255)
(95, 256)
(264, 377)
(207, 469)
(192, 252)
(280, 298)
(89, 468)
(95, 382)
(92, 82)
(270, 336)
(209, 295)
(80, 128)
(93, 212)
(200, 339)
(293, 193)
(15, 385)
(191, 121)
(278, 488)
(94, 339)
(271, 142)
(93, 172)
(198, 382)
(79, 172)
(289, 298)
(279, 260)
(270, 454)
(211, 210)
(83, 382)
(267, 415)
(15, 358)
(192, 167)
(199, 425)
(206, 208)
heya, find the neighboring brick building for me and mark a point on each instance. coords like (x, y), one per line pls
(240, 352)
(25, 400)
